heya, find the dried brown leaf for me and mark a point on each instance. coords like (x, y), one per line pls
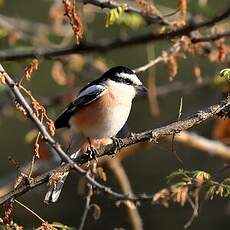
(197, 74)
(221, 130)
(30, 68)
(180, 194)
(96, 211)
(37, 106)
(213, 56)
(20, 108)
(74, 18)
(162, 197)
(223, 50)
(50, 125)
(47, 226)
(58, 73)
(56, 177)
(148, 8)
(2, 79)
(36, 150)
(8, 211)
(56, 13)
(183, 6)
(178, 23)
(172, 66)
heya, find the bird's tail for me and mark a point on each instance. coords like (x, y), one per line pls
(55, 189)
(57, 181)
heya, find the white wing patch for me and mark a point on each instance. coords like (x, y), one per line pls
(94, 89)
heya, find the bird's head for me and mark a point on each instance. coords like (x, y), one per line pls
(124, 77)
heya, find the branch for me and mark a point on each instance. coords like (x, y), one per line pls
(87, 207)
(151, 135)
(111, 44)
(123, 180)
(149, 18)
(210, 37)
(47, 137)
(212, 147)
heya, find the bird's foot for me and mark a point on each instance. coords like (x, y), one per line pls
(118, 143)
(92, 153)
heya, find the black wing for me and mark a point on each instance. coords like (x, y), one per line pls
(86, 96)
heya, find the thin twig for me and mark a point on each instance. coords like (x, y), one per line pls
(30, 210)
(174, 134)
(151, 63)
(87, 207)
(162, 58)
(194, 214)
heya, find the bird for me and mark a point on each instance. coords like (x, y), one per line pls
(100, 110)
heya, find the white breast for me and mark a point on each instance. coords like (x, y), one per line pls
(118, 114)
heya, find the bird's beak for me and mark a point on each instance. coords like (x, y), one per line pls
(141, 90)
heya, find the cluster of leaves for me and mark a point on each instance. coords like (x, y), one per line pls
(113, 15)
(187, 184)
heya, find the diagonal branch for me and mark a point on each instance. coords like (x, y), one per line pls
(150, 135)
(47, 137)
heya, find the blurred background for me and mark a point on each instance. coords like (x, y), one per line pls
(35, 24)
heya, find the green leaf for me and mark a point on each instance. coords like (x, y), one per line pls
(113, 15)
(197, 173)
(173, 175)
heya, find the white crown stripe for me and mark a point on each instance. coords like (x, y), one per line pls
(132, 77)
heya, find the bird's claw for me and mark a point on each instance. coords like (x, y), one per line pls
(118, 143)
(92, 153)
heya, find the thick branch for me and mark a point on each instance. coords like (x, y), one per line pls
(138, 137)
(110, 44)
(156, 134)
